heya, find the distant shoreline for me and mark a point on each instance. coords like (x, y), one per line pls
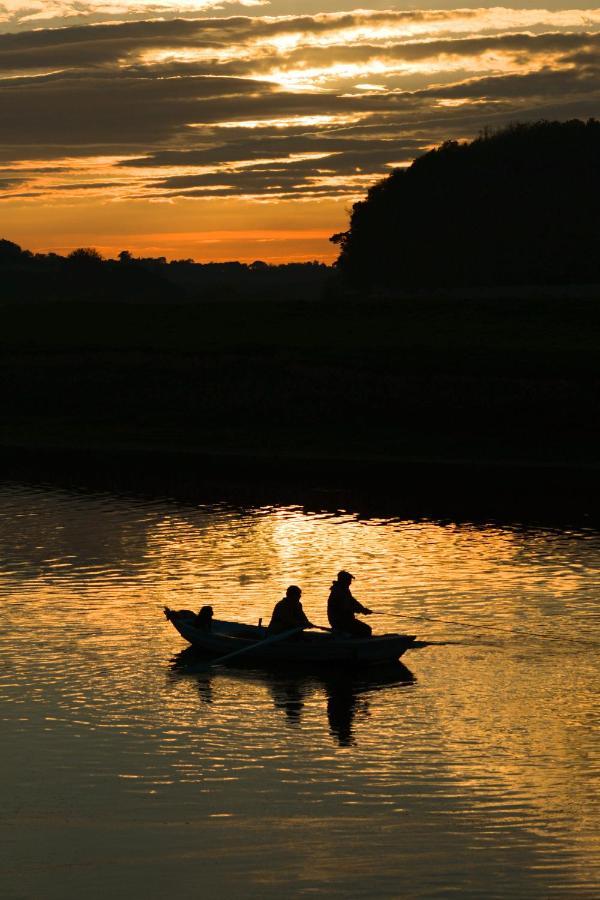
(430, 487)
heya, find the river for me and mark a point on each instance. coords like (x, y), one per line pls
(471, 772)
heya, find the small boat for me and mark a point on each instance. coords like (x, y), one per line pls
(224, 638)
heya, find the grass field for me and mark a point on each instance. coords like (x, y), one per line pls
(481, 381)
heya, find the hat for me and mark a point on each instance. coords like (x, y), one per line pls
(345, 576)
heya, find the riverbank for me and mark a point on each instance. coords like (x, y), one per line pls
(483, 400)
(431, 488)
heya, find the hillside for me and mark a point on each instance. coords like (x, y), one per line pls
(517, 207)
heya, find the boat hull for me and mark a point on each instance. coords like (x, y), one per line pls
(310, 648)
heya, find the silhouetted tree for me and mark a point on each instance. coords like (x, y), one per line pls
(518, 206)
(10, 252)
(85, 256)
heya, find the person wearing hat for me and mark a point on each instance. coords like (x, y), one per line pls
(288, 613)
(342, 606)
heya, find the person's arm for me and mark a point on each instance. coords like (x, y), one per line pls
(303, 619)
(358, 607)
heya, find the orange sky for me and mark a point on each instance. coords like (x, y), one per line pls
(214, 230)
(247, 130)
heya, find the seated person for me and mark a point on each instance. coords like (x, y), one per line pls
(204, 618)
(288, 613)
(342, 606)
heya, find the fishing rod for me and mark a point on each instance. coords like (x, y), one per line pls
(537, 634)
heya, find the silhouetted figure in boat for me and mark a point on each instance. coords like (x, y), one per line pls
(288, 613)
(342, 606)
(204, 618)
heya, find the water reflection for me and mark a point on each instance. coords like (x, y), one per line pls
(345, 692)
(483, 769)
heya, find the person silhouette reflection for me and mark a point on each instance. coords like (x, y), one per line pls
(205, 688)
(289, 696)
(342, 704)
(346, 697)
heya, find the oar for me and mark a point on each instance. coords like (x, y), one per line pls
(263, 643)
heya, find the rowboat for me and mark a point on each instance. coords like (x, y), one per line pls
(225, 637)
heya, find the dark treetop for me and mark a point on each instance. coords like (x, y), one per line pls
(517, 207)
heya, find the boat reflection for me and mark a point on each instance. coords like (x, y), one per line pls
(346, 691)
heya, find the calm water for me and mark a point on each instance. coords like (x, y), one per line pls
(474, 773)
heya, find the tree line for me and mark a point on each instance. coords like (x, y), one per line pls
(85, 275)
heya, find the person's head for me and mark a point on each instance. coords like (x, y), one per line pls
(293, 592)
(345, 578)
(205, 615)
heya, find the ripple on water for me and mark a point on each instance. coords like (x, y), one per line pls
(475, 769)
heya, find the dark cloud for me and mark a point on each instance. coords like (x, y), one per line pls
(370, 158)
(116, 109)
(432, 49)
(84, 186)
(95, 45)
(85, 46)
(7, 184)
(245, 148)
(546, 83)
(276, 191)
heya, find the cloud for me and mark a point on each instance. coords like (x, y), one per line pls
(9, 184)
(262, 106)
(22, 14)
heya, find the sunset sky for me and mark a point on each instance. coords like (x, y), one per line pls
(245, 130)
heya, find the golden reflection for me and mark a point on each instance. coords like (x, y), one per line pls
(496, 737)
